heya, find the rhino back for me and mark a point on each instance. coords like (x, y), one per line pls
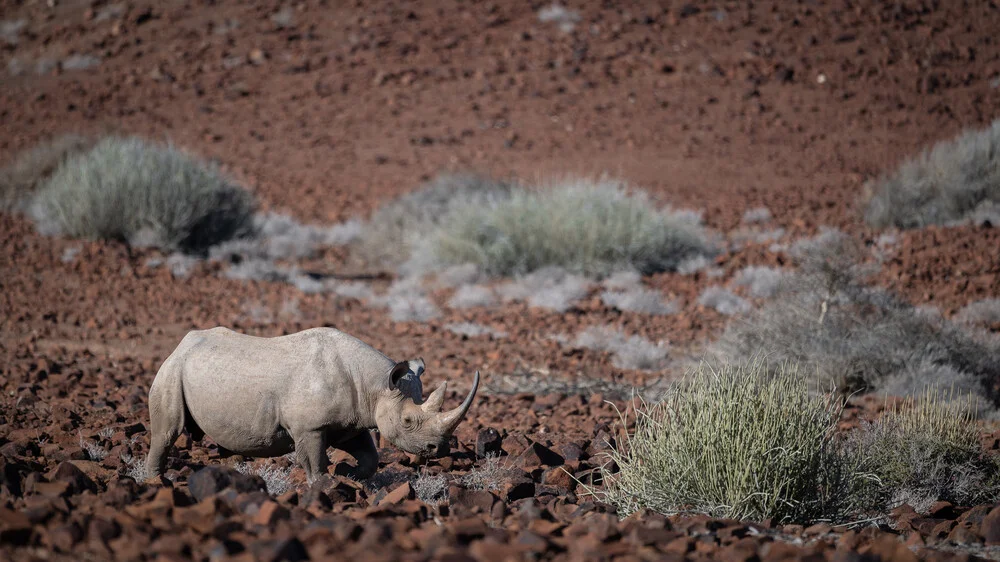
(248, 393)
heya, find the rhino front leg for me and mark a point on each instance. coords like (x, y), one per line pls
(363, 449)
(310, 448)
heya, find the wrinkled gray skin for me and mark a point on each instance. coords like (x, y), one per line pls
(319, 388)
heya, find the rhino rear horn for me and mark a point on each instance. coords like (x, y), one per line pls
(450, 420)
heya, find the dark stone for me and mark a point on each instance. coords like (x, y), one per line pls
(78, 481)
(489, 442)
(213, 479)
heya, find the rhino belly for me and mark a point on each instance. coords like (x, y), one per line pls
(246, 423)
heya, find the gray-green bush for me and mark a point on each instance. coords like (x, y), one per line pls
(922, 451)
(842, 331)
(389, 237)
(144, 194)
(25, 175)
(734, 443)
(591, 228)
(750, 441)
(954, 180)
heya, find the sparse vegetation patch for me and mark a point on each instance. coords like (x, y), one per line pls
(842, 331)
(589, 228)
(28, 172)
(953, 181)
(627, 352)
(926, 450)
(733, 443)
(146, 195)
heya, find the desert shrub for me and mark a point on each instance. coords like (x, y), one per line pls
(627, 352)
(472, 296)
(144, 194)
(135, 467)
(723, 301)
(555, 13)
(733, 443)
(25, 175)
(950, 182)
(489, 475)
(584, 227)
(94, 451)
(623, 280)
(430, 489)
(389, 238)
(458, 275)
(551, 287)
(761, 282)
(407, 301)
(472, 330)
(924, 450)
(277, 479)
(639, 299)
(756, 215)
(985, 312)
(356, 290)
(842, 331)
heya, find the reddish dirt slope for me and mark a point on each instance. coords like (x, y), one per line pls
(714, 106)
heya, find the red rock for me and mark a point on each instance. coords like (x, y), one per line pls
(975, 515)
(531, 541)
(942, 510)
(465, 502)
(942, 529)
(540, 455)
(744, 550)
(517, 487)
(680, 545)
(398, 495)
(888, 547)
(487, 549)
(989, 529)
(103, 530)
(558, 477)
(65, 537)
(818, 529)
(71, 474)
(964, 535)
(468, 528)
(15, 528)
(52, 489)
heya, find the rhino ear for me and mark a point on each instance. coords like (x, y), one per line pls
(398, 371)
(417, 366)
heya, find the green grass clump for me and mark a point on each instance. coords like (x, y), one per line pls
(953, 181)
(730, 442)
(924, 450)
(144, 194)
(29, 170)
(583, 227)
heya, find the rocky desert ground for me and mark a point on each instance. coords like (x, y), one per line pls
(770, 119)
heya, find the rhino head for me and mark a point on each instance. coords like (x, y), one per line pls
(418, 428)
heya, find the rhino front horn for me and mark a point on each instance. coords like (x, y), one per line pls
(450, 420)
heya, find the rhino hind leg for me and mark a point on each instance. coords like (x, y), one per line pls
(310, 449)
(167, 415)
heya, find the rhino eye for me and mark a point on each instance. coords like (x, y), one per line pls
(407, 421)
